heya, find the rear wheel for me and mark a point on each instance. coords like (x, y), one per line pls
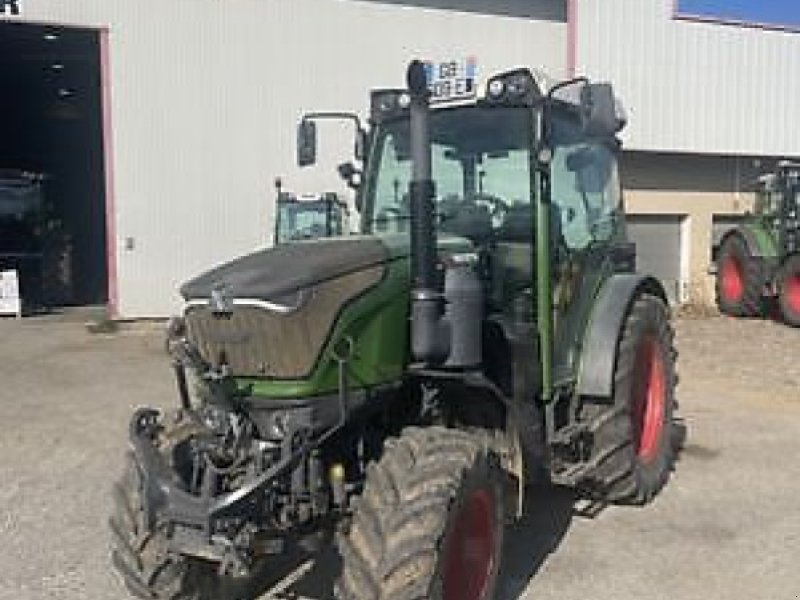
(633, 451)
(789, 291)
(739, 279)
(429, 524)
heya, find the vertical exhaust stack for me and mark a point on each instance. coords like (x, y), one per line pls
(429, 332)
(446, 306)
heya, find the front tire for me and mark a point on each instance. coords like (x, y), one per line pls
(429, 524)
(633, 449)
(140, 553)
(789, 291)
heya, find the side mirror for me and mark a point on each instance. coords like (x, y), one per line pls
(599, 110)
(306, 143)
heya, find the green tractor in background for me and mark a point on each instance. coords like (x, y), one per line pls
(308, 216)
(405, 387)
(760, 259)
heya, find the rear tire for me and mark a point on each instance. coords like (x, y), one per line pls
(740, 282)
(789, 291)
(429, 524)
(633, 449)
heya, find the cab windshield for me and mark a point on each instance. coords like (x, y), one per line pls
(480, 163)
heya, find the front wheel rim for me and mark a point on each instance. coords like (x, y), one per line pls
(470, 550)
(732, 279)
(650, 400)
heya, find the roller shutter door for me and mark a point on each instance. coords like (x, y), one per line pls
(658, 249)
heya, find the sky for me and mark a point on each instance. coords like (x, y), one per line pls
(773, 12)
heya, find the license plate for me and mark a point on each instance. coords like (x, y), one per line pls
(452, 80)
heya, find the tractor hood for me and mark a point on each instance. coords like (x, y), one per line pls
(269, 314)
(284, 270)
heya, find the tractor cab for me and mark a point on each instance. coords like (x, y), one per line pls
(777, 205)
(524, 170)
(487, 156)
(309, 216)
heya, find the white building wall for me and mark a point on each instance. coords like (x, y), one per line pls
(206, 96)
(690, 86)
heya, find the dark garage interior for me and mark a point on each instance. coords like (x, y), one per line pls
(52, 182)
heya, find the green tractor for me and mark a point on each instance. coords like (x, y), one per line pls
(308, 216)
(760, 259)
(402, 389)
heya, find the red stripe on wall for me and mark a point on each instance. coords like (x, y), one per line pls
(108, 158)
(572, 37)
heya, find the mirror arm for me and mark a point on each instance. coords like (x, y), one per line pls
(340, 116)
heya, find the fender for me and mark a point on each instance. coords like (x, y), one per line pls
(761, 246)
(596, 373)
(759, 242)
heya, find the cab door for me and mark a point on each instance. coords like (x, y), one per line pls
(587, 229)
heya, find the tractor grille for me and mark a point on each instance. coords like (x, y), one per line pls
(258, 342)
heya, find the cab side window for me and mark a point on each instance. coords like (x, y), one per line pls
(584, 185)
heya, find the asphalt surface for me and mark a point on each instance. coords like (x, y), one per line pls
(726, 527)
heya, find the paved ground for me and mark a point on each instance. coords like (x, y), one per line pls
(727, 526)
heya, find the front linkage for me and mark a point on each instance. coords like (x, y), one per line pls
(220, 491)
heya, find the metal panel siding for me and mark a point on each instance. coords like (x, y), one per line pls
(658, 249)
(206, 96)
(693, 87)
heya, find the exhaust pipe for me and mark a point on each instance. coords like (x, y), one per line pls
(429, 332)
(446, 304)
(422, 189)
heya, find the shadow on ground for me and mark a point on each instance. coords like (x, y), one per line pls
(532, 539)
(527, 545)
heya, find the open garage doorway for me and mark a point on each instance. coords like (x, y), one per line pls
(52, 173)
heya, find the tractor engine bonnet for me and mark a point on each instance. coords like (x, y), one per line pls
(270, 313)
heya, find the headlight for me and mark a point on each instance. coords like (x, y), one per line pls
(517, 87)
(496, 88)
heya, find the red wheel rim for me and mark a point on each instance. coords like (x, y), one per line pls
(470, 550)
(732, 280)
(792, 292)
(649, 401)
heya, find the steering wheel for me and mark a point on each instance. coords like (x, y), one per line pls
(496, 206)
